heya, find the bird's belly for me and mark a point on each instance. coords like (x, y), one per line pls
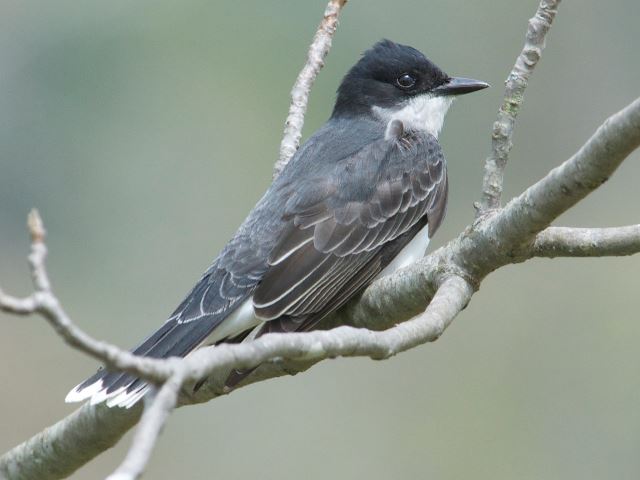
(412, 252)
(241, 319)
(244, 318)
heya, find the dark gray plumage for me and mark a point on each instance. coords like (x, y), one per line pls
(349, 200)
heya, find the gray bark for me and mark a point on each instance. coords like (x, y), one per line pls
(395, 313)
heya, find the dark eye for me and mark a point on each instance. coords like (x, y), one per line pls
(406, 81)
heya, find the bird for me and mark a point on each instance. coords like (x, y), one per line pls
(358, 200)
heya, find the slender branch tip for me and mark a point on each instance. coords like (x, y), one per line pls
(36, 226)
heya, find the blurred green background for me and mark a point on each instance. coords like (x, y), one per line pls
(145, 131)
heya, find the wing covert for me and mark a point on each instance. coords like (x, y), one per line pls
(338, 224)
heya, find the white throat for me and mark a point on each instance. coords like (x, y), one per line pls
(421, 113)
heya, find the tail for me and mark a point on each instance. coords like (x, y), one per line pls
(173, 339)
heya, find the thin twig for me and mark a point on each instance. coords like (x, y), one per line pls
(158, 407)
(318, 50)
(587, 242)
(45, 302)
(515, 86)
(449, 300)
(564, 186)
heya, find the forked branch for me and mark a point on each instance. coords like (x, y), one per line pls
(395, 313)
(587, 242)
(517, 81)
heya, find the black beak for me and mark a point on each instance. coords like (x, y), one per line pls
(459, 86)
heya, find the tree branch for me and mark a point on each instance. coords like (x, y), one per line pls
(62, 448)
(587, 242)
(502, 238)
(515, 86)
(318, 50)
(344, 341)
(492, 241)
(447, 277)
(157, 408)
(564, 186)
(44, 302)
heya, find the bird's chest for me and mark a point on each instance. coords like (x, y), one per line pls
(422, 113)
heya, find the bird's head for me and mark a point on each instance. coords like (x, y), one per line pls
(397, 81)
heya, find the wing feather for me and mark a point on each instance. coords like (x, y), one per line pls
(374, 197)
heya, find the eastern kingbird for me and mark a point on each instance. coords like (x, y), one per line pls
(359, 199)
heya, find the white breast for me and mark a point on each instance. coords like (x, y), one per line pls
(421, 113)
